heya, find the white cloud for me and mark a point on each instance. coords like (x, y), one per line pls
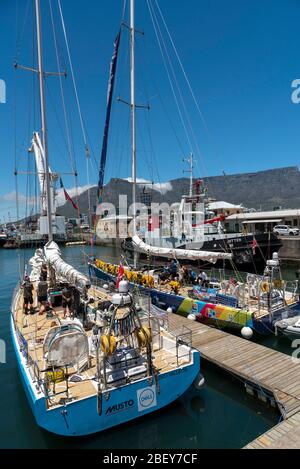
(73, 193)
(138, 180)
(162, 187)
(11, 197)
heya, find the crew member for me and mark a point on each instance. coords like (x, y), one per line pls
(164, 274)
(44, 272)
(173, 269)
(27, 295)
(203, 279)
(193, 277)
(42, 294)
(186, 274)
(67, 301)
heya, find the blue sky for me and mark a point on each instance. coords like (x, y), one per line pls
(240, 56)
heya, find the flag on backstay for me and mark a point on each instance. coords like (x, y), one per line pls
(67, 196)
(254, 246)
(120, 274)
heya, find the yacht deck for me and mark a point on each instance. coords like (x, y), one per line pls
(34, 328)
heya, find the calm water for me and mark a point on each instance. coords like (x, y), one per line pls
(220, 415)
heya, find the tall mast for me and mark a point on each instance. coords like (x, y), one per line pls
(43, 117)
(132, 105)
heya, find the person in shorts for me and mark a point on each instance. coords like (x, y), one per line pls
(42, 294)
(67, 301)
(27, 295)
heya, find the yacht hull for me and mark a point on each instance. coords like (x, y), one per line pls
(124, 403)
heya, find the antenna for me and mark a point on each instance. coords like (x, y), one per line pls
(190, 161)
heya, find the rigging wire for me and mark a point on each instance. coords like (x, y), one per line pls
(182, 68)
(169, 77)
(73, 163)
(73, 79)
(56, 115)
(188, 120)
(147, 116)
(176, 81)
(70, 143)
(19, 37)
(189, 124)
(87, 150)
(187, 80)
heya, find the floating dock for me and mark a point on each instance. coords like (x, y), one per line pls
(273, 376)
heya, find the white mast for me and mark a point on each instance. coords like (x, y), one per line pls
(43, 117)
(132, 105)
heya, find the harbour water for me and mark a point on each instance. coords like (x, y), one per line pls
(220, 415)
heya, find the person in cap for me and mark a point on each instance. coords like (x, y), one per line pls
(42, 294)
(27, 295)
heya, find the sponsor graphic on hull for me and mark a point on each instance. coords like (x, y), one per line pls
(113, 409)
(146, 398)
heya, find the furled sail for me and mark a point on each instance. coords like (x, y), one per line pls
(37, 149)
(74, 277)
(110, 90)
(189, 254)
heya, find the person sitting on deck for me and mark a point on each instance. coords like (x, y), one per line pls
(44, 272)
(67, 300)
(42, 294)
(27, 295)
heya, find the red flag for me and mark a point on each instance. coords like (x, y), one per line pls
(254, 245)
(120, 274)
(67, 197)
(153, 223)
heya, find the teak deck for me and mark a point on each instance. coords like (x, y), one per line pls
(34, 328)
(269, 371)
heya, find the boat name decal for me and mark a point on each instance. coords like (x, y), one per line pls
(173, 373)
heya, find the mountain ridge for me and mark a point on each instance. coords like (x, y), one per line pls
(265, 190)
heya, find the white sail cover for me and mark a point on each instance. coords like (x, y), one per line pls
(36, 263)
(189, 254)
(74, 277)
(51, 254)
(37, 149)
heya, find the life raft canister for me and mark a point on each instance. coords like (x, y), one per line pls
(278, 284)
(265, 288)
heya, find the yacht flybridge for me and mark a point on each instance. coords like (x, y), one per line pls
(89, 359)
